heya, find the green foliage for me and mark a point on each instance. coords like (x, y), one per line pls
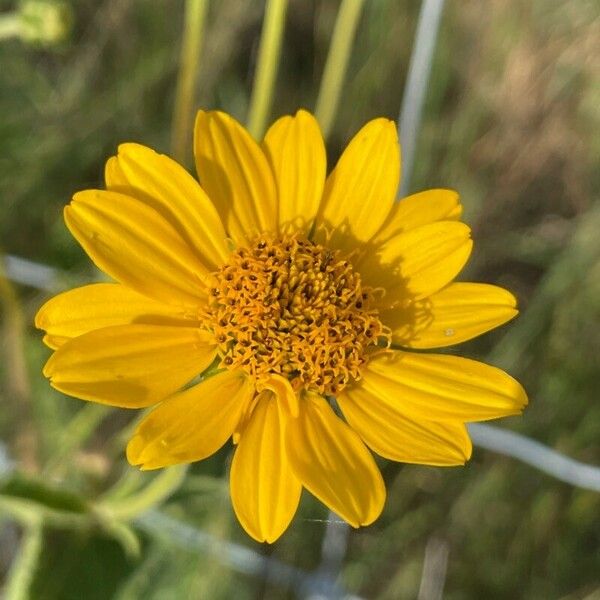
(33, 491)
(91, 564)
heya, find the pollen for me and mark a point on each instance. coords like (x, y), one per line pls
(291, 307)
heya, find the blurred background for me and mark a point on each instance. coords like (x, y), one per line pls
(511, 120)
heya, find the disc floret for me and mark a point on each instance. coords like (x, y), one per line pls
(292, 307)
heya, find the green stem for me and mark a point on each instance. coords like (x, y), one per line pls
(18, 387)
(76, 432)
(193, 32)
(10, 25)
(30, 513)
(266, 69)
(23, 570)
(337, 63)
(156, 492)
(14, 335)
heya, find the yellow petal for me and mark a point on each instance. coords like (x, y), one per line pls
(284, 392)
(236, 175)
(169, 189)
(455, 314)
(441, 387)
(420, 209)
(332, 462)
(54, 341)
(115, 179)
(191, 425)
(130, 365)
(286, 397)
(99, 305)
(296, 152)
(392, 434)
(133, 243)
(360, 191)
(245, 418)
(264, 491)
(419, 262)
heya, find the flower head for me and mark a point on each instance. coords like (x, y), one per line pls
(281, 288)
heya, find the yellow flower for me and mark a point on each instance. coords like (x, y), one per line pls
(285, 288)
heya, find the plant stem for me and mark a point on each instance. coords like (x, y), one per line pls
(75, 433)
(24, 567)
(417, 81)
(193, 30)
(268, 60)
(14, 335)
(337, 63)
(157, 491)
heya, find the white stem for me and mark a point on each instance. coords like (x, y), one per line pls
(537, 455)
(416, 86)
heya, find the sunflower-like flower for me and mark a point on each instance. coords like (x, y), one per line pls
(243, 305)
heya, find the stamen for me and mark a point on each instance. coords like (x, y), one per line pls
(291, 307)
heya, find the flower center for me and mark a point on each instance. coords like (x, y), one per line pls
(292, 307)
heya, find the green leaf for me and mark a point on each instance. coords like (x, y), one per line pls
(32, 490)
